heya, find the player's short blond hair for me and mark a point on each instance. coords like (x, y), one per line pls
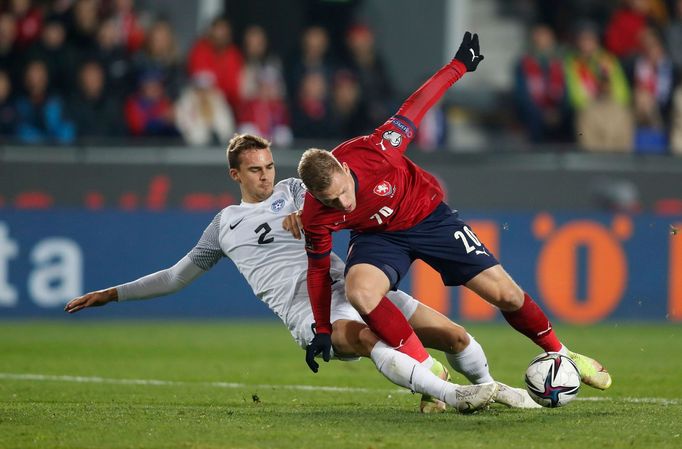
(316, 169)
(243, 142)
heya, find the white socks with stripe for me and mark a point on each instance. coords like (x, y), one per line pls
(471, 362)
(405, 371)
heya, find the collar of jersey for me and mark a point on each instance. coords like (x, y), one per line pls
(355, 178)
(252, 205)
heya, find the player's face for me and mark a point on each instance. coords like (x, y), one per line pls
(341, 192)
(256, 175)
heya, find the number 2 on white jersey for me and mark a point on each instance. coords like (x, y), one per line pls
(460, 235)
(384, 211)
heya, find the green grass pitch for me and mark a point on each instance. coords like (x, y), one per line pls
(91, 384)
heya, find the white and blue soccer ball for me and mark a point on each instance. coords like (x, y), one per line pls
(552, 379)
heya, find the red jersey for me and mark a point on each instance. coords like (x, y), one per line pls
(392, 192)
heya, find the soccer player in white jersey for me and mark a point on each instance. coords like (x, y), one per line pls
(274, 263)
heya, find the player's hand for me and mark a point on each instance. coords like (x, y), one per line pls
(469, 52)
(92, 299)
(293, 224)
(322, 343)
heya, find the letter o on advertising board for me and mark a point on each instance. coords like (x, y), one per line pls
(606, 270)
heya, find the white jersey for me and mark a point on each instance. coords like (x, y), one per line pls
(273, 262)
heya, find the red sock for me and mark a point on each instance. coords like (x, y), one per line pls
(390, 325)
(532, 322)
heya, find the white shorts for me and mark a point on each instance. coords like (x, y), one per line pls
(300, 323)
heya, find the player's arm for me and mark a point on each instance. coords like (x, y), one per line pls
(406, 121)
(292, 222)
(161, 283)
(205, 254)
(318, 247)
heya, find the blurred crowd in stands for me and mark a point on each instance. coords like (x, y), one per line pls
(89, 71)
(609, 83)
(96, 70)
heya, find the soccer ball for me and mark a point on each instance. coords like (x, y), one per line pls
(552, 379)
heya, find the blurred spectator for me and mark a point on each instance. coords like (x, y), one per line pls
(624, 27)
(202, 114)
(8, 113)
(129, 30)
(149, 111)
(29, 22)
(83, 24)
(8, 51)
(311, 115)
(674, 35)
(605, 124)
(313, 56)
(653, 81)
(349, 111)
(375, 84)
(589, 68)
(161, 53)
(258, 63)
(57, 54)
(266, 114)
(40, 115)
(114, 60)
(95, 113)
(541, 89)
(217, 54)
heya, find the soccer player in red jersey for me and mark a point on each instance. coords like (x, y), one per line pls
(396, 214)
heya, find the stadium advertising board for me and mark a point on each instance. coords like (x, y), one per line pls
(583, 268)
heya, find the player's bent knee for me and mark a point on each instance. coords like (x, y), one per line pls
(352, 339)
(365, 286)
(510, 297)
(364, 300)
(458, 340)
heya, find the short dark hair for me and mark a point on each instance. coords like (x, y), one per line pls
(243, 142)
(316, 169)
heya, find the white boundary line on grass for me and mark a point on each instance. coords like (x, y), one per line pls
(155, 382)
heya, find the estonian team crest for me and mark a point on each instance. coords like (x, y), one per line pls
(384, 189)
(277, 205)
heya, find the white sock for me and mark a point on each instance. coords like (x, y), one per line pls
(471, 362)
(405, 371)
(428, 363)
(563, 350)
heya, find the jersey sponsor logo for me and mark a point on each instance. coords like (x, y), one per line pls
(394, 138)
(384, 189)
(235, 224)
(277, 205)
(404, 127)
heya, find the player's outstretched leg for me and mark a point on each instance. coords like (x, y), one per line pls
(403, 370)
(526, 316)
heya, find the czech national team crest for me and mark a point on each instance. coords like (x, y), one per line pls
(277, 205)
(384, 189)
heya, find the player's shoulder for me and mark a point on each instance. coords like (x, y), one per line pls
(350, 148)
(226, 214)
(293, 185)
